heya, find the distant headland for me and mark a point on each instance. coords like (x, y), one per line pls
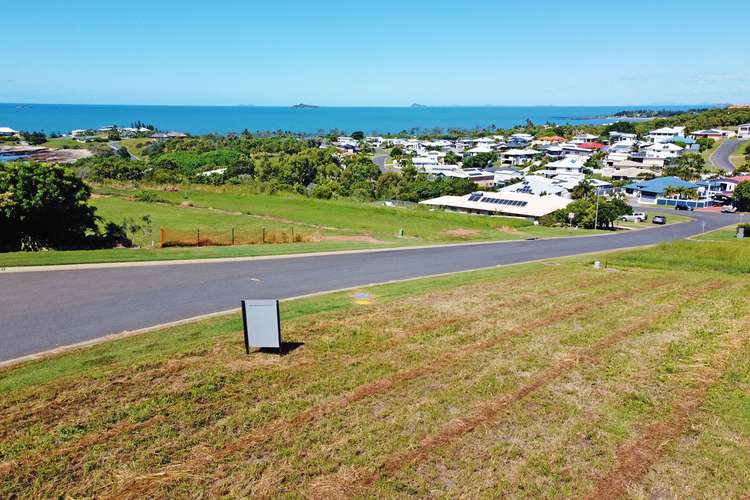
(305, 106)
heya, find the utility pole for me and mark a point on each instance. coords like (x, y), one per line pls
(596, 216)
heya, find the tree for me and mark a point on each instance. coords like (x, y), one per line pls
(741, 196)
(689, 167)
(451, 158)
(34, 138)
(43, 206)
(114, 134)
(584, 189)
(358, 135)
(681, 192)
(623, 127)
(480, 160)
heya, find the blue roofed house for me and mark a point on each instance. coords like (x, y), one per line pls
(652, 191)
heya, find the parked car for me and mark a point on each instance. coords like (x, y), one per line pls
(659, 219)
(683, 207)
(728, 209)
(635, 217)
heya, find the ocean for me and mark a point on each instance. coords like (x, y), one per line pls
(62, 118)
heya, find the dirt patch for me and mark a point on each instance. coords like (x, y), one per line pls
(508, 230)
(462, 233)
(364, 238)
(61, 155)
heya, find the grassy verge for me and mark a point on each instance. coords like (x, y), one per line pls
(534, 380)
(322, 225)
(730, 257)
(738, 156)
(728, 233)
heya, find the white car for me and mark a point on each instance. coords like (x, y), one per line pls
(728, 209)
(636, 217)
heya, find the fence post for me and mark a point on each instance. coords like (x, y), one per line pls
(263, 236)
(198, 241)
(292, 235)
(161, 237)
(232, 235)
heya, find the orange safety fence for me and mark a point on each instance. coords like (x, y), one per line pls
(209, 237)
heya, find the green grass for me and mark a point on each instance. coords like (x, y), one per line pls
(528, 381)
(722, 256)
(323, 225)
(738, 156)
(135, 146)
(728, 233)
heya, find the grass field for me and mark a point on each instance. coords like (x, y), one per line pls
(544, 380)
(323, 225)
(738, 157)
(728, 233)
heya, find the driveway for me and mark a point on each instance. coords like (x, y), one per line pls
(720, 158)
(41, 310)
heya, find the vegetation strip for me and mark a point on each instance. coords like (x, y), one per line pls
(634, 460)
(486, 413)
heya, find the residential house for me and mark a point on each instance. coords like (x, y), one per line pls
(743, 131)
(584, 138)
(712, 133)
(7, 132)
(665, 133)
(518, 156)
(536, 185)
(648, 191)
(566, 165)
(621, 136)
(510, 204)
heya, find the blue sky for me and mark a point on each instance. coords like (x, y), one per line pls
(375, 53)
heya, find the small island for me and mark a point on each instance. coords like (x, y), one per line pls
(305, 106)
(417, 105)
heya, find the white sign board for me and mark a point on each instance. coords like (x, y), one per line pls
(571, 215)
(260, 319)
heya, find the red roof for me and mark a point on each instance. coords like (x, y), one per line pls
(740, 178)
(591, 145)
(553, 138)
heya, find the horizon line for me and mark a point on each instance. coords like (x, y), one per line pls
(313, 106)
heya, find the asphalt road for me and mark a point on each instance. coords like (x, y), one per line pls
(46, 309)
(720, 158)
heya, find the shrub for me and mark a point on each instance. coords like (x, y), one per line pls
(43, 206)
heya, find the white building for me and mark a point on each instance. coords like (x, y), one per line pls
(536, 185)
(743, 131)
(665, 133)
(512, 204)
(566, 165)
(518, 156)
(7, 132)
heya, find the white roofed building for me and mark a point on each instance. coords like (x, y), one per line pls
(510, 203)
(665, 133)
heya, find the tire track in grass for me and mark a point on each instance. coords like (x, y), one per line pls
(286, 426)
(275, 426)
(486, 413)
(634, 460)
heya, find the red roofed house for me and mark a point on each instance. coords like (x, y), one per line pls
(591, 145)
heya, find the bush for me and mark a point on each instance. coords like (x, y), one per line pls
(43, 206)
